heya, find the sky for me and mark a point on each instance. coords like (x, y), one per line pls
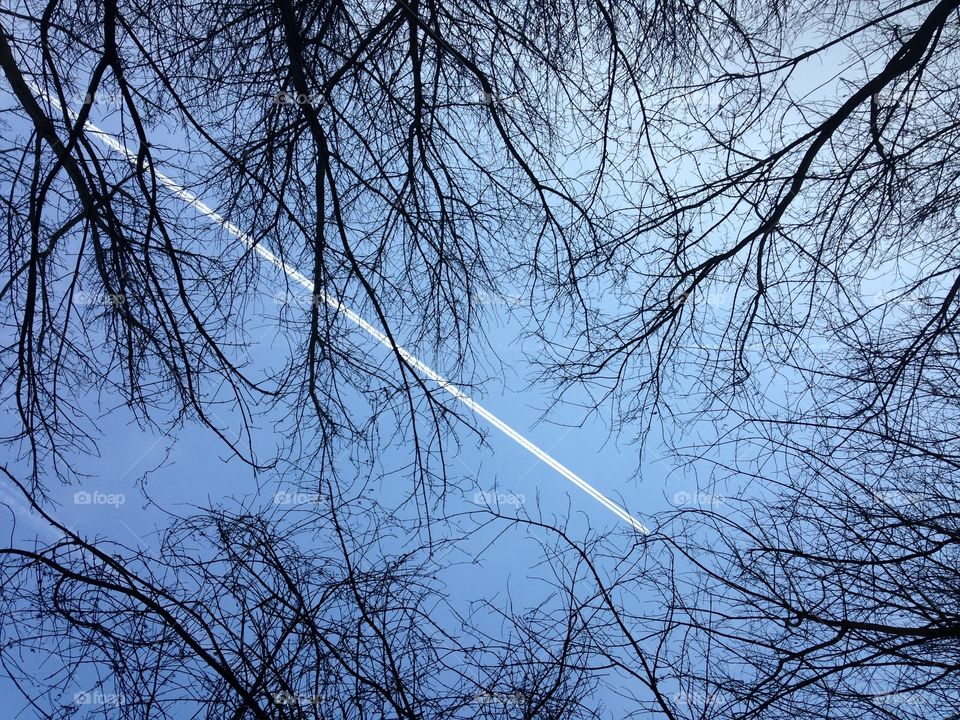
(195, 469)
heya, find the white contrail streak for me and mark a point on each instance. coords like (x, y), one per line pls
(298, 277)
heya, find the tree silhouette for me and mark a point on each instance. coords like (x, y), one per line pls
(786, 319)
(734, 226)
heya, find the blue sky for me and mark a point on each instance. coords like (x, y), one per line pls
(196, 470)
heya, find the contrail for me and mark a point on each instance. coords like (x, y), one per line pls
(190, 199)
